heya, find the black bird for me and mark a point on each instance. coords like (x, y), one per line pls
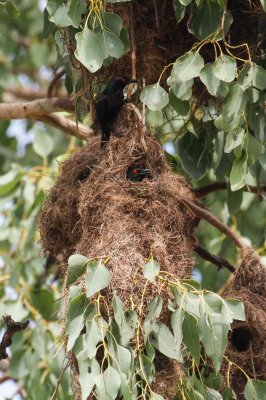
(109, 103)
(136, 174)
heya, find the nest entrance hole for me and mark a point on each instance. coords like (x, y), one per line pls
(241, 338)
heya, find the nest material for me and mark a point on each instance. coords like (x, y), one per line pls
(106, 215)
(247, 340)
(59, 221)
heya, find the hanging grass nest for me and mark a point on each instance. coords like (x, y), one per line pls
(125, 223)
(247, 340)
(59, 221)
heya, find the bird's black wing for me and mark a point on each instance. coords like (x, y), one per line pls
(102, 114)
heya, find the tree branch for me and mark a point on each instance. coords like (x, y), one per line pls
(12, 328)
(53, 82)
(35, 108)
(204, 214)
(218, 261)
(216, 186)
(67, 126)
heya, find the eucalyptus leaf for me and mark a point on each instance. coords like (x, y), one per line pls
(151, 269)
(108, 384)
(186, 67)
(225, 68)
(76, 267)
(233, 139)
(238, 172)
(179, 10)
(75, 318)
(191, 336)
(89, 50)
(259, 77)
(182, 91)
(92, 337)
(89, 370)
(76, 9)
(98, 277)
(112, 22)
(155, 97)
(255, 390)
(111, 43)
(163, 340)
(43, 144)
(58, 12)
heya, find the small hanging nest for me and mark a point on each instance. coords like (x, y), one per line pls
(247, 340)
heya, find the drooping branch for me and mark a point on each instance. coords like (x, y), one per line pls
(67, 126)
(218, 261)
(53, 82)
(204, 214)
(216, 186)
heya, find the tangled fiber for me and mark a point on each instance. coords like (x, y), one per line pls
(247, 340)
(59, 221)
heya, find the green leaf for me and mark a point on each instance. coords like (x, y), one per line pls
(234, 200)
(89, 50)
(234, 309)
(108, 384)
(235, 103)
(259, 77)
(92, 337)
(254, 149)
(98, 277)
(263, 3)
(111, 43)
(112, 22)
(233, 139)
(153, 311)
(179, 10)
(76, 9)
(150, 270)
(43, 300)
(124, 37)
(213, 328)
(228, 394)
(225, 68)
(180, 106)
(76, 267)
(75, 318)
(10, 181)
(211, 379)
(212, 83)
(11, 8)
(182, 91)
(207, 22)
(155, 97)
(58, 12)
(186, 67)
(43, 144)
(245, 76)
(89, 370)
(238, 173)
(191, 336)
(120, 356)
(163, 340)
(255, 390)
(176, 323)
(126, 320)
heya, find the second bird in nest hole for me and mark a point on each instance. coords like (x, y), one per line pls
(109, 103)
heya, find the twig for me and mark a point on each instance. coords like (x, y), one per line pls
(133, 42)
(53, 82)
(218, 261)
(204, 214)
(53, 397)
(12, 328)
(216, 186)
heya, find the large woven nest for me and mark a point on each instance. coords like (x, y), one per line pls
(125, 222)
(247, 340)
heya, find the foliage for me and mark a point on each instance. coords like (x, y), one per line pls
(220, 136)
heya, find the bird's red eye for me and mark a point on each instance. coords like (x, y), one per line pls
(134, 171)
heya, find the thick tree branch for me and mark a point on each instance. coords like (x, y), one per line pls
(216, 186)
(67, 126)
(218, 261)
(204, 214)
(12, 328)
(35, 108)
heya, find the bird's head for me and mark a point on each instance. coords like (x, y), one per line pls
(118, 83)
(136, 174)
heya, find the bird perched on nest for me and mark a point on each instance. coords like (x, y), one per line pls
(136, 174)
(109, 103)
